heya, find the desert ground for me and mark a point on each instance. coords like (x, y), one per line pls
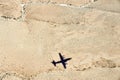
(33, 32)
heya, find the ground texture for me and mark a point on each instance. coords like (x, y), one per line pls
(33, 32)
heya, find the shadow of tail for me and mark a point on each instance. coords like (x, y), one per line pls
(54, 63)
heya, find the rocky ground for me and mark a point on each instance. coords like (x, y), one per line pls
(33, 32)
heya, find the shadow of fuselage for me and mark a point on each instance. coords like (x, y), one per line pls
(63, 61)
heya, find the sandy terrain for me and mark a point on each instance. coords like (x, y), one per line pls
(33, 32)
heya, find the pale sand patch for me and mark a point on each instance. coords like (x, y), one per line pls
(68, 2)
(107, 5)
(10, 9)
